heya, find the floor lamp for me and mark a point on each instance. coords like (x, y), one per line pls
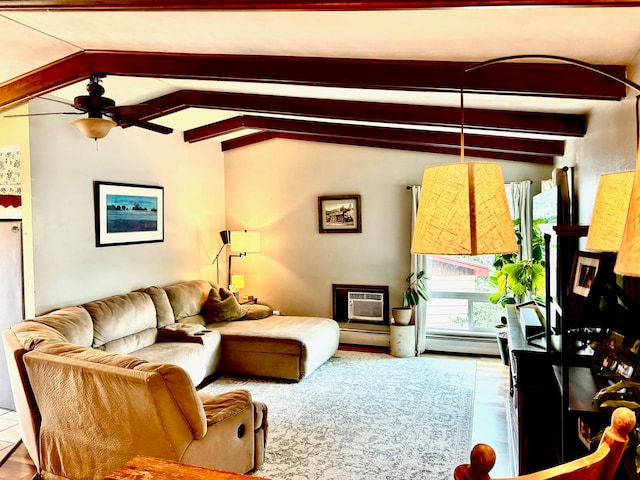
(242, 242)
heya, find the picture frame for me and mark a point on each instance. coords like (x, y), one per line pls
(584, 434)
(339, 214)
(587, 267)
(127, 214)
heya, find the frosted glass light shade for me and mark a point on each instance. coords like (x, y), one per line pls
(463, 210)
(244, 241)
(610, 211)
(94, 127)
(237, 281)
(628, 260)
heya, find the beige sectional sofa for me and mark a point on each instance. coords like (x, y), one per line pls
(116, 359)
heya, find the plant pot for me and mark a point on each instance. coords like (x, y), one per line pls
(401, 315)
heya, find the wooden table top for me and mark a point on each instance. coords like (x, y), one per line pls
(150, 468)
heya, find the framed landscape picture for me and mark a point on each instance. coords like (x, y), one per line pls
(126, 214)
(339, 214)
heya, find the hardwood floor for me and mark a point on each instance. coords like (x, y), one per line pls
(489, 424)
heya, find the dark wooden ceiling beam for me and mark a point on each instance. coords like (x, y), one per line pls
(546, 79)
(48, 78)
(521, 146)
(254, 138)
(338, 5)
(555, 80)
(490, 120)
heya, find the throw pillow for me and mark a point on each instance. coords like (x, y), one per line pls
(256, 312)
(223, 307)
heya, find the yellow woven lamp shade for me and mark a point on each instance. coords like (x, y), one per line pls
(628, 261)
(463, 210)
(610, 211)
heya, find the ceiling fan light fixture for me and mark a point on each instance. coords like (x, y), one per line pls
(94, 127)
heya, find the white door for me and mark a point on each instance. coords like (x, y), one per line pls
(11, 298)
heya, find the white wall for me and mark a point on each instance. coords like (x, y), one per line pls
(608, 146)
(69, 268)
(273, 187)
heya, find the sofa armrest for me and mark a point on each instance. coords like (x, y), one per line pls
(218, 408)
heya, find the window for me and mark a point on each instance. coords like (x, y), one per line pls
(459, 292)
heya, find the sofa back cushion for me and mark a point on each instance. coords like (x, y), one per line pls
(187, 298)
(164, 312)
(123, 323)
(73, 323)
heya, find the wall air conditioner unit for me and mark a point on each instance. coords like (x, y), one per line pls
(365, 306)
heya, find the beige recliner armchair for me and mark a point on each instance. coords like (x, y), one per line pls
(98, 410)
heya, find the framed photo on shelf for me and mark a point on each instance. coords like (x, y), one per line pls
(339, 214)
(127, 214)
(584, 275)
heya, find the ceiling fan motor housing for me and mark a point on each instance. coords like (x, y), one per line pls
(94, 103)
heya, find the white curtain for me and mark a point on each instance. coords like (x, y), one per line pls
(418, 263)
(520, 204)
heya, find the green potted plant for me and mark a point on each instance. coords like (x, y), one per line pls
(416, 290)
(523, 280)
(518, 281)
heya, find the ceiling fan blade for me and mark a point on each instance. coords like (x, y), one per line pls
(40, 114)
(138, 111)
(149, 126)
(58, 101)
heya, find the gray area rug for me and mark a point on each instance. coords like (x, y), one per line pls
(367, 416)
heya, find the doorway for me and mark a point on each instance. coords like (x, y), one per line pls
(11, 293)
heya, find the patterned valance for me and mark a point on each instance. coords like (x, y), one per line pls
(10, 190)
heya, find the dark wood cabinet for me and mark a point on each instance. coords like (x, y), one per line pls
(533, 402)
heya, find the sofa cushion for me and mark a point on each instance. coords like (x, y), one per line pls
(222, 306)
(31, 334)
(74, 323)
(164, 312)
(199, 359)
(123, 323)
(91, 355)
(257, 311)
(187, 298)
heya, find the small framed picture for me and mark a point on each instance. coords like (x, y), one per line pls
(584, 433)
(614, 340)
(339, 214)
(126, 214)
(586, 267)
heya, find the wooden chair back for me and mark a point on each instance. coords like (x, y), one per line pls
(599, 465)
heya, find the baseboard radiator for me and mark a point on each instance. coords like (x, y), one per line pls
(446, 343)
(456, 343)
(373, 338)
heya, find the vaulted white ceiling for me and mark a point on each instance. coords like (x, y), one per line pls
(593, 34)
